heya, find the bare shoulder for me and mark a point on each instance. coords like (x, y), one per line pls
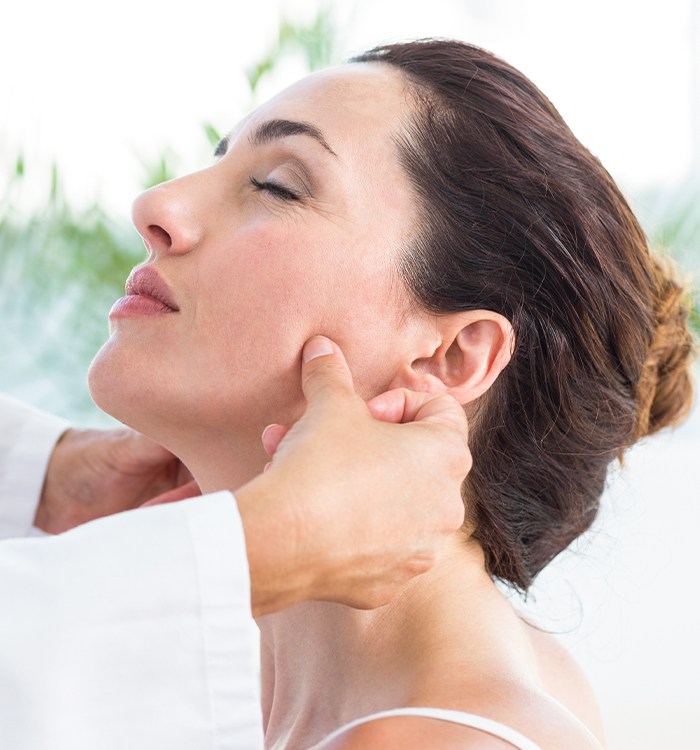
(414, 733)
(564, 680)
(554, 708)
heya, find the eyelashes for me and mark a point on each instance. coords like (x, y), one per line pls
(274, 189)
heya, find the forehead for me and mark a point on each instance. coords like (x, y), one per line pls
(359, 107)
(360, 110)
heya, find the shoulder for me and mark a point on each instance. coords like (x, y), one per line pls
(563, 679)
(536, 718)
(414, 733)
(418, 732)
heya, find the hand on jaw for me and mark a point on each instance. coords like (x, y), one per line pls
(351, 507)
(357, 500)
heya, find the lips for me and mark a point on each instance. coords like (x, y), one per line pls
(145, 281)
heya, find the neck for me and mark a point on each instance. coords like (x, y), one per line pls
(325, 664)
(219, 461)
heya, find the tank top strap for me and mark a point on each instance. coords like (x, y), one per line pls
(474, 721)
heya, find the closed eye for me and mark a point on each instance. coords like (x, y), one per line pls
(274, 189)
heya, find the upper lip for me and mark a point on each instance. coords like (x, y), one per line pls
(145, 280)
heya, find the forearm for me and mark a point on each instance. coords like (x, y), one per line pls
(281, 574)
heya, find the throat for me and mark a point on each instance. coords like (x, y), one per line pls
(220, 461)
(324, 664)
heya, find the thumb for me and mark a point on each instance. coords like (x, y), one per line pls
(324, 371)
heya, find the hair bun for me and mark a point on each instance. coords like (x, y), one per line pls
(664, 390)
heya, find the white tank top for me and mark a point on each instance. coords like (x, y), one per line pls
(473, 721)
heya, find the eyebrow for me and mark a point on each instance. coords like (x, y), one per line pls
(273, 130)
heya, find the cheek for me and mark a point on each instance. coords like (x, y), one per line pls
(264, 297)
(256, 300)
(264, 294)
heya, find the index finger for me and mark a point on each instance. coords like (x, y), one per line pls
(403, 405)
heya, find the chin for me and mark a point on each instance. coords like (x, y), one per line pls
(183, 401)
(159, 397)
(122, 389)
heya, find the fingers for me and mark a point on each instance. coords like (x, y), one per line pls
(324, 371)
(389, 406)
(440, 409)
(184, 475)
(188, 490)
(132, 452)
(272, 436)
(402, 405)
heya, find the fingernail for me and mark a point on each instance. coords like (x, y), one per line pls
(319, 346)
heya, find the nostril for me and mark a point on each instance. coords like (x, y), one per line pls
(161, 238)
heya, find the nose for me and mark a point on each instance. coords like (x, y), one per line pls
(166, 217)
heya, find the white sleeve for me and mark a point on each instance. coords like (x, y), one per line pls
(132, 631)
(27, 439)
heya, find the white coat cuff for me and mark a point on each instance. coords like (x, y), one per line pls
(27, 439)
(233, 663)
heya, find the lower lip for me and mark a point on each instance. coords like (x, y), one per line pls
(138, 305)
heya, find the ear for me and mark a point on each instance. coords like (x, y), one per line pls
(468, 355)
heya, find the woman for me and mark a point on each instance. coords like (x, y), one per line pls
(427, 208)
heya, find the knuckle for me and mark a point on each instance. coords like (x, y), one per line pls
(329, 368)
(421, 562)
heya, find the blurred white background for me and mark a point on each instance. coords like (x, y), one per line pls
(101, 88)
(98, 86)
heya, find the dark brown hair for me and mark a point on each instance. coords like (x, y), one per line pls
(516, 216)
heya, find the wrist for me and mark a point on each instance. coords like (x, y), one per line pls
(281, 574)
(54, 513)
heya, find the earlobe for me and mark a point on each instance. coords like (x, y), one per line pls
(471, 351)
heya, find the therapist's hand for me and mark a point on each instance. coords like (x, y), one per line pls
(351, 508)
(94, 473)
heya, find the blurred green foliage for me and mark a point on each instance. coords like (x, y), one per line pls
(672, 218)
(315, 43)
(61, 269)
(61, 272)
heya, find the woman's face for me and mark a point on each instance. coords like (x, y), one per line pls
(294, 230)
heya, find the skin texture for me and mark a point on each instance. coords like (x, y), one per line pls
(333, 540)
(254, 275)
